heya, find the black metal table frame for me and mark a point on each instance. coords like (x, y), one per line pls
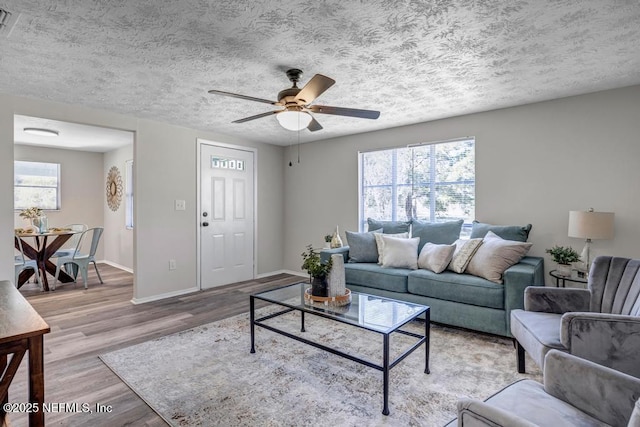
(386, 363)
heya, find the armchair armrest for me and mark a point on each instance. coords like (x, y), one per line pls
(473, 412)
(528, 272)
(611, 340)
(603, 393)
(325, 254)
(556, 300)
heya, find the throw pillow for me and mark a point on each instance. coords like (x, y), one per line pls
(380, 242)
(495, 256)
(507, 232)
(362, 246)
(435, 257)
(441, 233)
(400, 252)
(389, 227)
(463, 254)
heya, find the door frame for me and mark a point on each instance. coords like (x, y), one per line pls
(199, 143)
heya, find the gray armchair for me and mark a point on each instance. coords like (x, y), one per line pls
(576, 392)
(600, 323)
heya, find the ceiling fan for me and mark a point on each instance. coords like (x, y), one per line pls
(296, 114)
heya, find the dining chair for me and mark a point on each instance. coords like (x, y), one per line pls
(82, 255)
(70, 246)
(21, 263)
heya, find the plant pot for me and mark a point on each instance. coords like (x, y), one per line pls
(319, 287)
(564, 270)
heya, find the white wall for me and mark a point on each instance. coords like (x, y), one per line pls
(117, 239)
(165, 170)
(81, 186)
(534, 164)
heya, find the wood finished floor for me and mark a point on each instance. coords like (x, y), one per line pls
(87, 323)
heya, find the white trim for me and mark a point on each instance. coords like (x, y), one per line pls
(121, 267)
(199, 143)
(443, 141)
(163, 296)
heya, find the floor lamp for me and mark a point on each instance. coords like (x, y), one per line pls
(590, 225)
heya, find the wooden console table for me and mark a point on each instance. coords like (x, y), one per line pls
(21, 330)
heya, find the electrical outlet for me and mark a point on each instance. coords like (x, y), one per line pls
(172, 264)
(181, 205)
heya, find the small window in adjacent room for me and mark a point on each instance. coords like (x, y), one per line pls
(36, 184)
(128, 203)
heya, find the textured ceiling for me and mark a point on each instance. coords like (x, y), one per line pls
(414, 61)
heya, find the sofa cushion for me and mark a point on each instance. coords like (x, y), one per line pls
(435, 257)
(362, 246)
(389, 227)
(400, 252)
(495, 255)
(380, 242)
(441, 233)
(375, 276)
(508, 232)
(463, 254)
(463, 288)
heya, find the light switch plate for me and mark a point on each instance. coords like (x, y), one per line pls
(181, 205)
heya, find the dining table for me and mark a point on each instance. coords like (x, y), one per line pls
(41, 247)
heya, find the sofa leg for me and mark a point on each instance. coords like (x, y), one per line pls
(520, 357)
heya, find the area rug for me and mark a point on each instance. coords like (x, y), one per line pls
(206, 376)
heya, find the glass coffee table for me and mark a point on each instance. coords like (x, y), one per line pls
(382, 315)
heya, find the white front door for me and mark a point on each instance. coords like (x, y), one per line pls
(226, 215)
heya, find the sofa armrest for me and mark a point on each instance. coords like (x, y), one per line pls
(325, 254)
(556, 300)
(473, 412)
(528, 272)
(611, 340)
(604, 393)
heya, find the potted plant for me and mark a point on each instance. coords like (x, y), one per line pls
(318, 271)
(327, 241)
(564, 256)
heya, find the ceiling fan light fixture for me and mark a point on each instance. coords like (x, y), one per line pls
(294, 120)
(41, 131)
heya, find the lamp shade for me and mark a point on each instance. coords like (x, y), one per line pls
(294, 120)
(591, 225)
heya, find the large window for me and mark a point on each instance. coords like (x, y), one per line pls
(36, 184)
(430, 182)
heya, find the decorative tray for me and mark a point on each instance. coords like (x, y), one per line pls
(337, 301)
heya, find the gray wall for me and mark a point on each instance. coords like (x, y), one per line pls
(534, 164)
(117, 239)
(165, 169)
(81, 187)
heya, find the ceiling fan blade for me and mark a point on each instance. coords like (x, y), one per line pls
(257, 116)
(339, 111)
(314, 88)
(314, 125)
(248, 98)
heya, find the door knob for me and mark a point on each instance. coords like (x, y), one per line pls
(205, 224)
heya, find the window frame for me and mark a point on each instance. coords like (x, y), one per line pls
(396, 184)
(57, 187)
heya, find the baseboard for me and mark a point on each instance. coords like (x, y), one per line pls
(113, 264)
(163, 296)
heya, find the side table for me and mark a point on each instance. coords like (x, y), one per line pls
(562, 279)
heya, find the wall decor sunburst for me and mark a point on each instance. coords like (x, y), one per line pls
(114, 188)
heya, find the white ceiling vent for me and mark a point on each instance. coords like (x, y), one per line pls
(7, 22)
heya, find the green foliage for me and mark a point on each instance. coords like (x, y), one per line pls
(31, 213)
(563, 255)
(314, 266)
(328, 238)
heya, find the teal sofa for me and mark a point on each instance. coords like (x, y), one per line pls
(455, 299)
